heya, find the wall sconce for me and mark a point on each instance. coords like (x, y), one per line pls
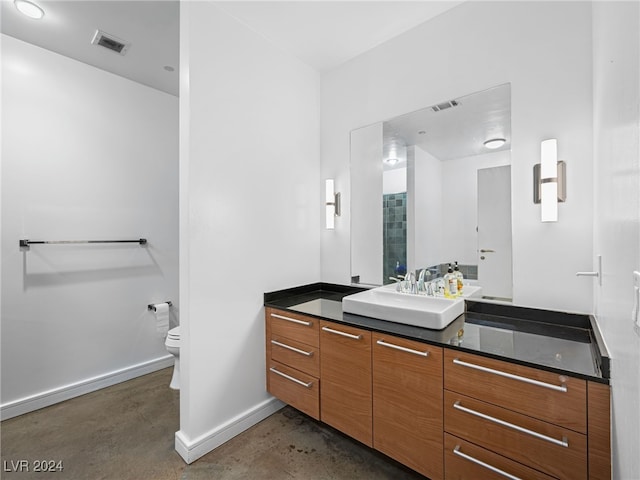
(332, 204)
(549, 181)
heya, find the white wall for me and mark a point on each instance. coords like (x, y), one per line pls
(616, 43)
(394, 180)
(424, 209)
(250, 208)
(469, 48)
(366, 260)
(460, 205)
(85, 155)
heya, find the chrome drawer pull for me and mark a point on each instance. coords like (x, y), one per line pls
(301, 322)
(562, 443)
(288, 377)
(457, 451)
(293, 349)
(404, 349)
(344, 334)
(558, 388)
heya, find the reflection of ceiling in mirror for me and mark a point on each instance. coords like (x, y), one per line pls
(457, 131)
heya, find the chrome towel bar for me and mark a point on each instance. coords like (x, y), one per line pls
(27, 243)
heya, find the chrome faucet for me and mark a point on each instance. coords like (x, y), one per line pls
(410, 283)
(422, 287)
(398, 283)
(430, 290)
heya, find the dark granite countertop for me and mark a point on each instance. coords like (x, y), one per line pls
(565, 343)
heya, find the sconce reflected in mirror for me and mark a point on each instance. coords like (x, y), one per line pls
(332, 204)
(549, 181)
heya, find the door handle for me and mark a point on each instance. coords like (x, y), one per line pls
(487, 250)
(292, 320)
(563, 443)
(456, 451)
(344, 334)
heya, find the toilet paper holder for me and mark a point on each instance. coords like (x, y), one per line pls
(152, 306)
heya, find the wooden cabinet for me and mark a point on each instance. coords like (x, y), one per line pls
(407, 403)
(445, 413)
(548, 396)
(296, 388)
(345, 369)
(293, 360)
(556, 451)
(521, 417)
(599, 428)
(467, 461)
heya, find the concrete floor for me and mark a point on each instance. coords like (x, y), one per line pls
(127, 432)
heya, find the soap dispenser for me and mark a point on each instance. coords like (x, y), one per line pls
(450, 284)
(459, 277)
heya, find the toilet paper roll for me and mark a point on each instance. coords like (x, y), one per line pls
(162, 318)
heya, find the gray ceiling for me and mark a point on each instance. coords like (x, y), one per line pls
(459, 131)
(68, 27)
(322, 34)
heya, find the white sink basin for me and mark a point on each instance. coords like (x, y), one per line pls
(472, 291)
(385, 303)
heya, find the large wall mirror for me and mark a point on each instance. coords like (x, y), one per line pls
(433, 187)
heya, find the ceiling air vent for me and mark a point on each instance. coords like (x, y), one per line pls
(111, 42)
(443, 106)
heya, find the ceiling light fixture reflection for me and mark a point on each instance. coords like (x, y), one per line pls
(29, 9)
(391, 161)
(495, 143)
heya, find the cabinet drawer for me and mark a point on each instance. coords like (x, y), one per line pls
(554, 450)
(548, 396)
(296, 388)
(466, 461)
(345, 370)
(299, 355)
(294, 326)
(407, 403)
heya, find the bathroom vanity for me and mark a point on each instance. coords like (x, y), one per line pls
(501, 392)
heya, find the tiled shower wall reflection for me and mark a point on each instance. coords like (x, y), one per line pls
(394, 220)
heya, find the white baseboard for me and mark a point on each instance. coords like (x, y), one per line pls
(66, 392)
(191, 450)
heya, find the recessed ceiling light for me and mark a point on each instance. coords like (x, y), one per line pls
(391, 161)
(495, 143)
(29, 9)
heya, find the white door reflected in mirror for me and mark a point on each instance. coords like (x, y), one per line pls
(494, 232)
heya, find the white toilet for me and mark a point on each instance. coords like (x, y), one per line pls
(173, 347)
